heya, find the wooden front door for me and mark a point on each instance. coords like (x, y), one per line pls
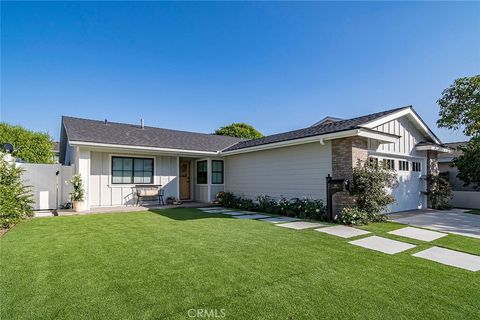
(185, 180)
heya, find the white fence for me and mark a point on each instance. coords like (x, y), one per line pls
(48, 182)
(466, 199)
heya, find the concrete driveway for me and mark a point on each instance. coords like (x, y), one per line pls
(451, 221)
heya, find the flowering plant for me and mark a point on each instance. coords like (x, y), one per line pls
(78, 193)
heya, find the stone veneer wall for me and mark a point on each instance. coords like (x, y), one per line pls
(346, 153)
(432, 169)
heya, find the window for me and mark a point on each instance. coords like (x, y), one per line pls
(373, 162)
(202, 172)
(389, 164)
(132, 170)
(402, 165)
(217, 171)
(416, 166)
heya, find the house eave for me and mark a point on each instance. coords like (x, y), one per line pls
(366, 133)
(433, 148)
(119, 147)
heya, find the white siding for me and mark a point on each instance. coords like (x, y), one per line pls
(409, 137)
(294, 171)
(104, 194)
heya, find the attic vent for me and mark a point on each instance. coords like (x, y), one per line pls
(142, 125)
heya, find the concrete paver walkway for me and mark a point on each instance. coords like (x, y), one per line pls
(299, 225)
(451, 257)
(343, 231)
(384, 245)
(418, 234)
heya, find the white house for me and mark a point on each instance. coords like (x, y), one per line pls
(114, 157)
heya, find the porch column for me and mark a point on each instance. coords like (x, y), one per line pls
(209, 179)
(432, 170)
(83, 168)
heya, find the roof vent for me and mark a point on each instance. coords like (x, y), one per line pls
(142, 125)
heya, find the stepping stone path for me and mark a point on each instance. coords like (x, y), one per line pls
(211, 208)
(383, 244)
(279, 219)
(300, 225)
(217, 211)
(251, 216)
(234, 213)
(343, 231)
(418, 234)
(451, 258)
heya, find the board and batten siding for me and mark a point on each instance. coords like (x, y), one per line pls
(105, 194)
(295, 171)
(409, 137)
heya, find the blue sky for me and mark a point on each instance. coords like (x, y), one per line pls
(198, 66)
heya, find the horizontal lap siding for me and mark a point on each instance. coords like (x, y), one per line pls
(294, 171)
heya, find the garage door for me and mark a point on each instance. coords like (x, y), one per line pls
(409, 186)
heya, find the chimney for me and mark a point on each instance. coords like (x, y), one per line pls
(142, 124)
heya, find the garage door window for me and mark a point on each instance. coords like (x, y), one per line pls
(416, 166)
(403, 165)
(389, 164)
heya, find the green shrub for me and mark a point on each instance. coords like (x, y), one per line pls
(15, 199)
(353, 216)
(440, 192)
(305, 208)
(266, 204)
(369, 186)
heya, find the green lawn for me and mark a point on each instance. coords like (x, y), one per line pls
(147, 265)
(474, 211)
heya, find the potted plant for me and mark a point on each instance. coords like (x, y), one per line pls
(170, 200)
(77, 195)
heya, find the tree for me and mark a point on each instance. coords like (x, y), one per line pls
(30, 146)
(239, 130)
(15, 198)
(460, 108)
(468, 163)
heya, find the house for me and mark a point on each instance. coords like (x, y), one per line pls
(463, 196)
(114, 157)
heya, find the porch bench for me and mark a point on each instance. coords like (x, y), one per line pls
(150, 191)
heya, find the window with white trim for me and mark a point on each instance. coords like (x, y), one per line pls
(217, 171)
(128, 170)
(202, 172)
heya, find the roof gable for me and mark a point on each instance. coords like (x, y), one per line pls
(326, 128)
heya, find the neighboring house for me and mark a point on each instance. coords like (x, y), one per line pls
(114, 157)
(56, 151)
(463, 196)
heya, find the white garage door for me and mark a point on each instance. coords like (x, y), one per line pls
(410, 184)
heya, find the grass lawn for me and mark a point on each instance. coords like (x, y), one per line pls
(474, 211)
(160, 265)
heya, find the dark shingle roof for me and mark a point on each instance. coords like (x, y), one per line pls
(128, 134)
(321, 129)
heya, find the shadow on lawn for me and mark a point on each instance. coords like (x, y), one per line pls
(187, 214)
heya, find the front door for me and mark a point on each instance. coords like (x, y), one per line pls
(184, 180)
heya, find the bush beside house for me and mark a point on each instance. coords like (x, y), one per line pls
(369, 187)
(16, 199)
(305, 208)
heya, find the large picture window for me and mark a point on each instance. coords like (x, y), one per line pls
(126, 170)
(202, 172)
(217, 171)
